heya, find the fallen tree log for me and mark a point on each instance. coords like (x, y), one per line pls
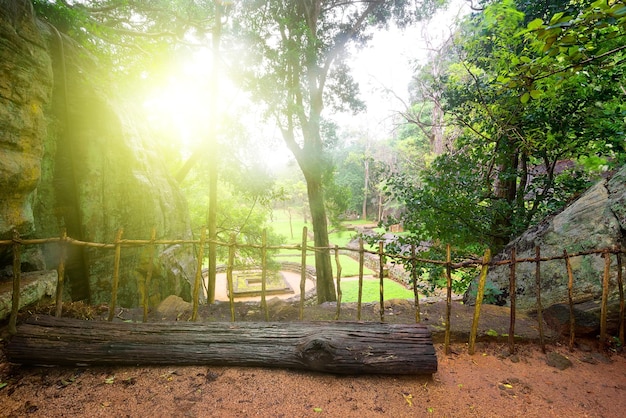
(334, 347)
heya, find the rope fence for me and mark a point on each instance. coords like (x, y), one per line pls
(484, 263)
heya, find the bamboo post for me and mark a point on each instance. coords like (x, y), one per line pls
(381, 267)
(198, 278)
(416, 295)
(264, 274)
(229, 276)
(360, 296)
(446, 343)
(303, 272)
(605, 294)
(479, 300)
(116, 273)
(17, 272)
(570, 296)
(620, 287)
(61, 273)
(146, 283)
(338, 282)
(538, 292)
(513, 295)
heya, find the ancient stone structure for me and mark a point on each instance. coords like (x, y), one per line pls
(73, 156)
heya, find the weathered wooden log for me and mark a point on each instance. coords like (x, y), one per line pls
(333, 347)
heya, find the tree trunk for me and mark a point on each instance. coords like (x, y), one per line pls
(505, 191)
(333, 347)
(366, 185)
(325, 286)
(212, 157)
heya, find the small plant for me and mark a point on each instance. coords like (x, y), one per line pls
(492, 333)
(490, 295)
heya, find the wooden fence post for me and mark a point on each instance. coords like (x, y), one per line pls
(198, 278)
(146, 283)
(446, 343)
(229, 275)
(605, 294)
(264, 274)
(479, 299)
(381, 267)
(538, 292)
(620, 287)
(513, 295)
(361, 262)
(418, 317)
(17, 272)
(338, 282)
(303, 271)
(61, 273)
(116, 273)
(570, 293)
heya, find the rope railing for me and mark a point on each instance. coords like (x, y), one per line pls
(485, 263)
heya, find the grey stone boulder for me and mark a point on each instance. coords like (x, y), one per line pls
(75, 156)
(596, 220)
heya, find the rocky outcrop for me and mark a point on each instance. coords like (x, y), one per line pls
(74, 157)
(25, 92)
(596, 220)
(36, 285)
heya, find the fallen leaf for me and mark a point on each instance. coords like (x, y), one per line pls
(408, 398)
(317, 409)
(109, 380)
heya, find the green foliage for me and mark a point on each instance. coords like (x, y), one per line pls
(535, 118)
(359, 158)
(131, 38)
(491, 293)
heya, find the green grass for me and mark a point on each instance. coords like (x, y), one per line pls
(280, 225)
(341, 238)
(371, 291)
(349, 266)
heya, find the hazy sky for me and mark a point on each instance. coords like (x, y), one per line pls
(387, 64)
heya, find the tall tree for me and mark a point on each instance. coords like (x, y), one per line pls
(527, 95)
(297, 51)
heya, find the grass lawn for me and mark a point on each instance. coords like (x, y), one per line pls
(371, 291)
(349, 266)
(280, 225)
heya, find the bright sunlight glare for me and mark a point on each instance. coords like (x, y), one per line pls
(179, 110)
(180, 107)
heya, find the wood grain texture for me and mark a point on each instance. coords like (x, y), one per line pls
(333, 347)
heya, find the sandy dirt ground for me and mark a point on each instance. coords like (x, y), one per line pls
(490, 383)
(486, 384)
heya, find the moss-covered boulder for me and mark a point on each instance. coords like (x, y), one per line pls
(596, 220)
(73, 156)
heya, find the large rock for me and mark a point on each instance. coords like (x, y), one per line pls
(596, 220)
(73, 156)
(25, 91)
(35, 286)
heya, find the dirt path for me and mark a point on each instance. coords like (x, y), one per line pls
(486, 384)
